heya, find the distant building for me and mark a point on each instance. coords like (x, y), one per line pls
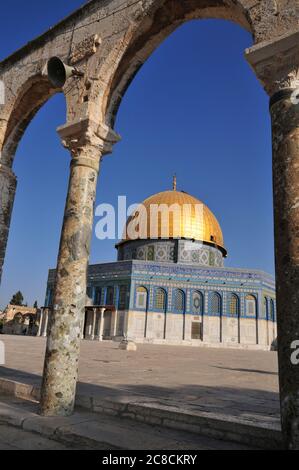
(175, 289)
(20, 320)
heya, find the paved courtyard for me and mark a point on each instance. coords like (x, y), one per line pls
(18, 439)
(227, 381)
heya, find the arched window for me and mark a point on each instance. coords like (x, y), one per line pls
(98, 296)
(141, 298)
(160, 299)
(89, 292)
(110, 295)
(250, 305)
(179, 301)
(234, 308)
(122, 297)
(18, 318)
(265, 308)
(272, 310)
(197, 303)
(216, 304)
(49, 300)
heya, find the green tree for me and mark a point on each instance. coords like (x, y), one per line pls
(17, 299)
(35, 304)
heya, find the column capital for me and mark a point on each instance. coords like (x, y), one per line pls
(87, 140)
(276, 65)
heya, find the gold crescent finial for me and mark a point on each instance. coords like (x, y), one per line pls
(174, 186)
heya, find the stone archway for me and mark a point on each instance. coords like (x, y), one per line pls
(158, 23)
(109, 43)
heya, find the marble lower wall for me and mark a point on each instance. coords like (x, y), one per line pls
(157, 327)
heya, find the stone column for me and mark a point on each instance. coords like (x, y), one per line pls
(83, 325)
(87, 142)
(115, 313)
(277, 66)
(101, 331)
(94, 319)
(41, 317)
(46, 323)
(8, 184)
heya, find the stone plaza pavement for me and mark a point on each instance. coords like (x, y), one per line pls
(229, 382)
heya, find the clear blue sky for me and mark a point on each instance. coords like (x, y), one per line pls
(195, 108)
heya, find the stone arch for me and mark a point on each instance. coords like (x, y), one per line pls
(145, 35)
(18, 318)
(30, 98)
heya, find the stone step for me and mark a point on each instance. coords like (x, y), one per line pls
(94, 431)
(250, 431)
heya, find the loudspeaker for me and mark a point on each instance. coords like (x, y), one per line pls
(58, 72)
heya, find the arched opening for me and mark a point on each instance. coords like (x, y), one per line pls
(251, 314)
(198, 315)
(164, 18)
(160, 309)
(33, 94)
(140, 124)
(141, 304)
(18, 318)
(34, 151)
(216, 314)
(151, 157)
(234, 314)
(179, 307)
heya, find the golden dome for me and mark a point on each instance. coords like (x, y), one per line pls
(195, 223)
